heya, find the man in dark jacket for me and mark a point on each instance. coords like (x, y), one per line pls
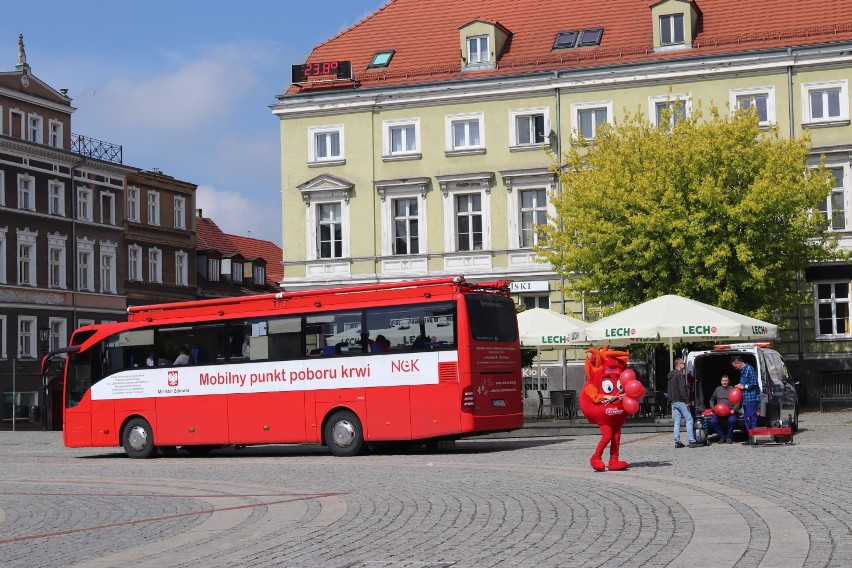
(679, 397)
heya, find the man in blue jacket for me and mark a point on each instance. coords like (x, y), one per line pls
(751, 393)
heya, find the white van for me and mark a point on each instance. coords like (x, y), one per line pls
(780, 402)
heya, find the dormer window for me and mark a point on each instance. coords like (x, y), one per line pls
(671, 29)
(477, 50)
(481, 43)
(675, 24)
(381, 59)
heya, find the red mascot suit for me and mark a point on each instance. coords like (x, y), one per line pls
(604, 402)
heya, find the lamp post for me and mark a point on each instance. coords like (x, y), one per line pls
(44, 342)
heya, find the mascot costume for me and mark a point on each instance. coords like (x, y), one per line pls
(611, 393)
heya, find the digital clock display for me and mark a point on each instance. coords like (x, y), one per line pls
(337, 69)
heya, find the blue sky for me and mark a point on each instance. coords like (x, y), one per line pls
(183, 86)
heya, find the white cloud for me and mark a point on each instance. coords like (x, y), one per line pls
(235, 214)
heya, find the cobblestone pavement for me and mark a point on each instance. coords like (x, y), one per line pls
(526, 502)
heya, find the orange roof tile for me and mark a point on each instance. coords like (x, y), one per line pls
(211, 238)
(425, 35)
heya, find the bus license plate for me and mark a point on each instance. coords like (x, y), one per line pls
(498, 402)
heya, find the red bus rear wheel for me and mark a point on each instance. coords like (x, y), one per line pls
(137, 438)
(343, 434)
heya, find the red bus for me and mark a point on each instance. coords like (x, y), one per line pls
(421, 360)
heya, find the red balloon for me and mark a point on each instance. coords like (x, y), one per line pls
(735, 395)
(626, 376)
(633, 389)
(630, 405)
(722, 410)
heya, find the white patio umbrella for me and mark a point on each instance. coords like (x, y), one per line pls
(546, 329)
(543, 328)
(673, 318)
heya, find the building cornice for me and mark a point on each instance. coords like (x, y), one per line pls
(657, 71)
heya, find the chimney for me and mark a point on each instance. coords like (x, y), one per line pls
(198, 214)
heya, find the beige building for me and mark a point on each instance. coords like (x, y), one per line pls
(421, 151)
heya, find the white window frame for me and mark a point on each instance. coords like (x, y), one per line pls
(833, 302)
(214, 269)
(85, 265)
(85, 207)
(2, 183)
(58, 337)
(180, 212)
(155, 265)
(736, 94)
(56, 243)
(134, 263)
(258, 273)
(388, 126)
(390, 194)
(313, 154)
(84, 322)
(3, 323)
(56, 197)
(449, 132)
(319, 222)
(26, 264)
(153, 208)
(107, 208)
(27, 344)
(685, 98)
(577, 108)
(839, 193)
(133, 204)
(669, 21)
(515, 185)
(181, 268)
(3, 256)
(451, 191)
(26, 192)
(35, 128)
(108, 264)
(807, 111)
(514, 132)
(57, 134)
(475, 53)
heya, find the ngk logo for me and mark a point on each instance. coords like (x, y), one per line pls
(405, 366)
(173, 378)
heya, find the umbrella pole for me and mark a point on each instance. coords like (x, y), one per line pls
(671, 355)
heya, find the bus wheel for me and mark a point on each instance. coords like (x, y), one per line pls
(343, 434)
(137, 438)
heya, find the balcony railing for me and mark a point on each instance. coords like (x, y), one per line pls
(97, 149)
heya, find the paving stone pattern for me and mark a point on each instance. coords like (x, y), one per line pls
(511, 502)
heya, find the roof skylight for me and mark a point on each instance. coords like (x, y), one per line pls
(381, 58)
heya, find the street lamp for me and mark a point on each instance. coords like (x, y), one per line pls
(44, 341)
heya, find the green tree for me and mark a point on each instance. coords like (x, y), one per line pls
(716, 209)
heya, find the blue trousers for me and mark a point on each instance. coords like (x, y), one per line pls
(750, 414)
(715, 423)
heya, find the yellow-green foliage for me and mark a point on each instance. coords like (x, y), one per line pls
(715, 209)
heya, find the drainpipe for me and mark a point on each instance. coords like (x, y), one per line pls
(800, 316)
(558, 188)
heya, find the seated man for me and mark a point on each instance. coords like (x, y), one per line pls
(720, 396)
(183, 357)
